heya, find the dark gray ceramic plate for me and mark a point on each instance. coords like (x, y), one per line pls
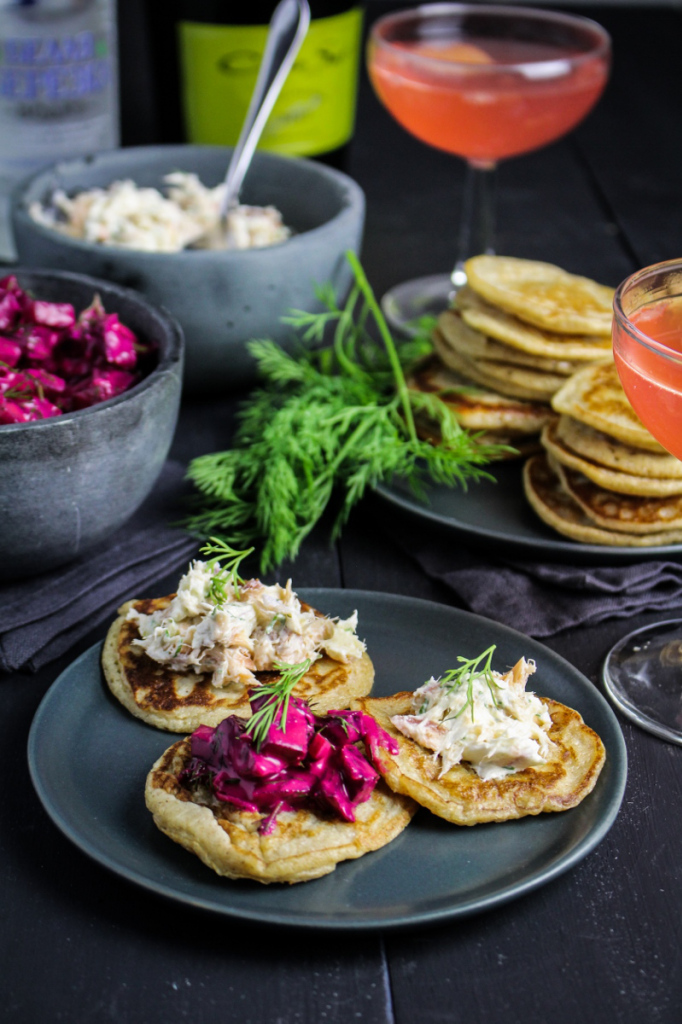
(89, 758)
(496, 514)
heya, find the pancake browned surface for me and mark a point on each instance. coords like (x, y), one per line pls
(515, 333)
(462, 797)
(516, 381)
(477, 409)
(613, 454)
(180, 702)
(301, 846)
(542, 294)
(625, 513)
(475, 345)
(559, 510)
(595, 396)
(611, 479)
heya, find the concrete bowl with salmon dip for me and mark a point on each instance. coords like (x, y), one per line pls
(222, 298)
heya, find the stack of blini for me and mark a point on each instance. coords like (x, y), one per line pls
(517, 331)
(603, 478)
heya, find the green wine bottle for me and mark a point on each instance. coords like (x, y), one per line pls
(215, 48)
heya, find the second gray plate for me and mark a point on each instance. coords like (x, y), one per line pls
(496, 514)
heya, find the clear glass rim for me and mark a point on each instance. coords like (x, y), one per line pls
(623, 701)
(624, 322)
(602, 45)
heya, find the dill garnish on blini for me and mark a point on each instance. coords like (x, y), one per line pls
(337, 418)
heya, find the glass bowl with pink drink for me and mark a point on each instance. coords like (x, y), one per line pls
(643, 672)
(647, 346)
(484, 83)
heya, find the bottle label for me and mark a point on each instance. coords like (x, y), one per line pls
(315, 111)
(58, 89)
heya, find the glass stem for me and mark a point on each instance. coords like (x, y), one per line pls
(477, 229)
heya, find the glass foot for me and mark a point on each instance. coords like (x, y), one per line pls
(643, 677)
(405, 304)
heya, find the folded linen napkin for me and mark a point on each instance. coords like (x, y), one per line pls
(539, 599)
(41, 617)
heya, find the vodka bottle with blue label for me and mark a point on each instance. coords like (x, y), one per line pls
(58, 82)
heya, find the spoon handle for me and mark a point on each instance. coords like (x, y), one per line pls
(288, 28)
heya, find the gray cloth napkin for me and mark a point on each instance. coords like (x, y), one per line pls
(44, 616)
(540, 599)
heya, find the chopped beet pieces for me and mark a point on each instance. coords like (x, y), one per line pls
(313, 762)
(10, 352)
(53, 362)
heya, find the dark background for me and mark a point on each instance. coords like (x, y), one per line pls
(600, 944)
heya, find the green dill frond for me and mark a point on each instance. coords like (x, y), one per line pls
(274, 364)
(469, 671)
(324, 419)
(224, 564)
(278, 695)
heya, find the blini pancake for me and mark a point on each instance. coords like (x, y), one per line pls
(595, 396)
(301, 846)
(180, 702)
(558, 510)
(515, 333)
(542, 294)
(613, 454)
(514, 381)
(463, 798)
(625, 513)
(477, 409)
(611, 479)
(474, 345)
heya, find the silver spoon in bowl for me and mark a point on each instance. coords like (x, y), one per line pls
(287, 30)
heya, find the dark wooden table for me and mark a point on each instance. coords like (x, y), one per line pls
(601, 943)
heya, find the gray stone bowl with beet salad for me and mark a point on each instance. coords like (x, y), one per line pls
(90, 384)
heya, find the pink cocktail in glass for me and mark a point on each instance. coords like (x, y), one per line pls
(484, 83)
(487, 99)
(643, 672)
(647, 346)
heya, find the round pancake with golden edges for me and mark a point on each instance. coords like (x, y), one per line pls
(480, 411)
(510, 330)
(558, 510)
(301, 846)
(477, 409)
(474, 345)
(462, 797)
(595, 396)
(611, 479)
(502, 420)
(543, 294)
(508, 380)
(180, 702)
(607, 451)
(516, 446)
(625, 513)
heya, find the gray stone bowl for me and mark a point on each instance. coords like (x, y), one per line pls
(222, 299)
(68, 482)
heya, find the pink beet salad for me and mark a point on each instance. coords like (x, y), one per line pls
(53, 361)
(314, 762)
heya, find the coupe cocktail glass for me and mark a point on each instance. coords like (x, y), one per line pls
(485, 83)
(643, 672)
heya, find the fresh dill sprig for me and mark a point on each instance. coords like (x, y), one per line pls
(278, 694)
(335, 418)
(470, 670)
(227, 561)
